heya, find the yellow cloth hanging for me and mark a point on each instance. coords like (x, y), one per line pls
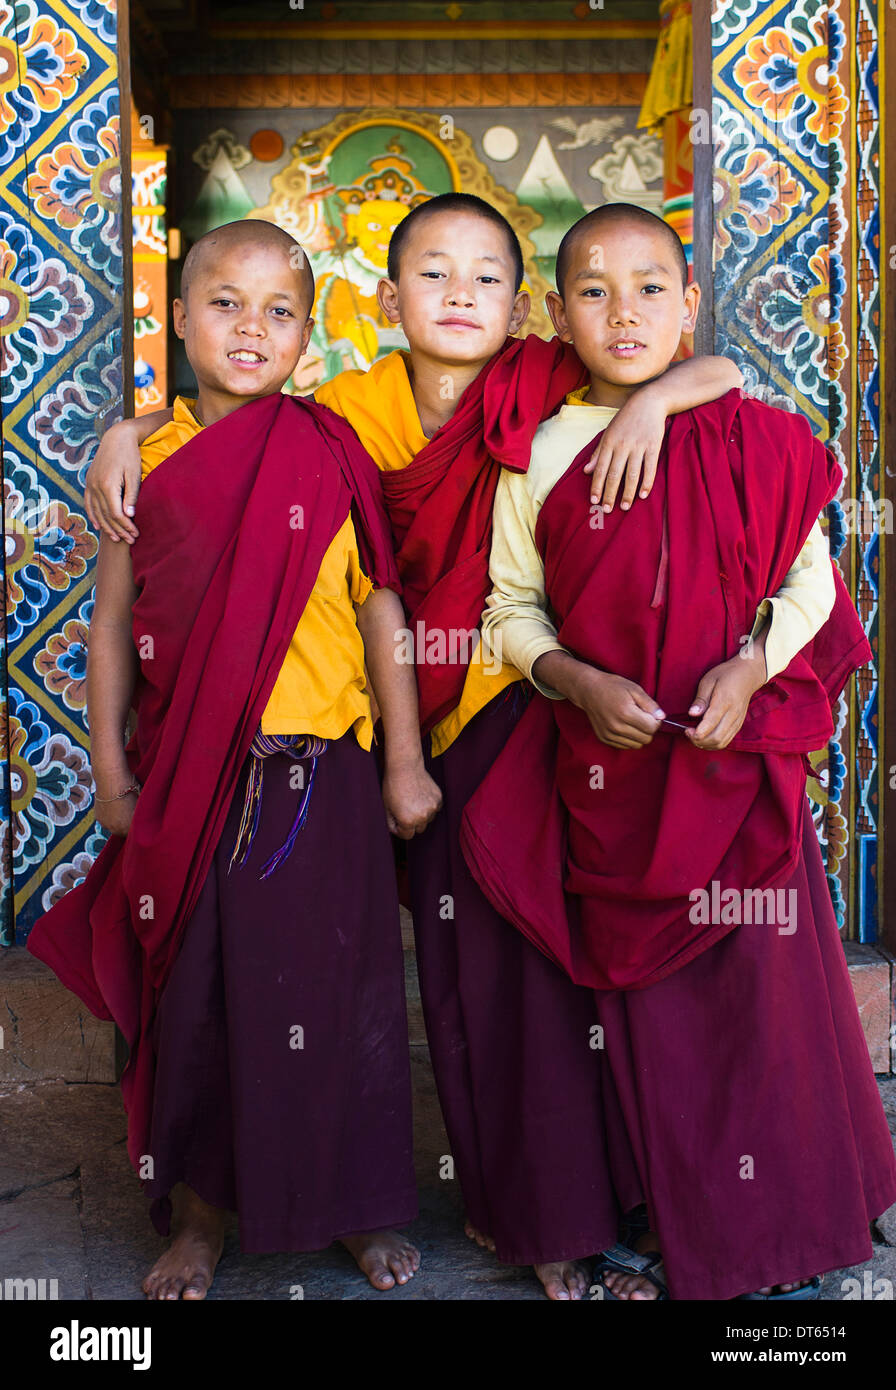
(671, 83)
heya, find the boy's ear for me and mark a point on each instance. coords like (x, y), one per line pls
(557, 310)
(691, 306)
(520, 312)
(306, 336)
(387, 298)
(179, 318)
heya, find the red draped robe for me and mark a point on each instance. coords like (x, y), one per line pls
(233, 530)
(594, 852)
(440, 506)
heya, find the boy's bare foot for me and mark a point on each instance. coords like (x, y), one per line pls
(634, 1286)
(187, 1267)
(563, 1280)
(480, 1238)
(386, 1257)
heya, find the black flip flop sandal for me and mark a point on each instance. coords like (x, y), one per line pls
(619, 1259)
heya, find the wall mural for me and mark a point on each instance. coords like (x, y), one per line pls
(348, 180)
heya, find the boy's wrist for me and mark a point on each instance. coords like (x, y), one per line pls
(753, 652)
(107, 755)
(403, 756)
(656, 392)
(110, 783)
(575, 680)
(756, 665)
(587, 683)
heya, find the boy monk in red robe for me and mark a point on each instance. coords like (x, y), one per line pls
(258, 984)
(650, 831)
(509, 1035)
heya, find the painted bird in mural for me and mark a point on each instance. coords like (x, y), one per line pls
(593, 132)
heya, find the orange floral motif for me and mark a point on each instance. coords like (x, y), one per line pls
(837, 837)
(817, 300)
(838, 352)
(757, 194)
(40, 65)
(781, 79)
(62, 663)
(818, 314)
(64, 183)
(78, 545)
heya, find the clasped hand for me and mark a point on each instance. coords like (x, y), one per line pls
(623, 715)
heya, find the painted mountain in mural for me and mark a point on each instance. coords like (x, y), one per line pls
(545, 187)
(222, 198)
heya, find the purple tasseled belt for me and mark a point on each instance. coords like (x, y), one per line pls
(302, 747)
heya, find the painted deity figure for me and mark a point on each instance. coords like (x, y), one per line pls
(350, 328)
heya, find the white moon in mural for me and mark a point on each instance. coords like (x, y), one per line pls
(500, 142)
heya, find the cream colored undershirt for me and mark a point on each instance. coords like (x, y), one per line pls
(517, 609)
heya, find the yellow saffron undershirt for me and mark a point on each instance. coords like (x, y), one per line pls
(321, 688)
(380, 407)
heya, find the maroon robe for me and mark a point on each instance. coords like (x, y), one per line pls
(233, 530)
(440, 506)
(660, 595)
(737, 1094)
(505, 1027)
(305, 1144)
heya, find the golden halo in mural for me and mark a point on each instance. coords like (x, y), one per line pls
(266, 145)
(419, 152)
(389, 122)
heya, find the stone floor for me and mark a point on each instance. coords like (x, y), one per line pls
(72, 1210)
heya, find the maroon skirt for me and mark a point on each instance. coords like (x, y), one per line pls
(742, 1106)
(283, 1080)
(510, 1038)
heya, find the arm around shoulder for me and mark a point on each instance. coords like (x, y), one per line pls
(113, 478)
(696, 381)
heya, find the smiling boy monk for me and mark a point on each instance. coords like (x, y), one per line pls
(510, 1037)
(739, 1099)
(258, 984)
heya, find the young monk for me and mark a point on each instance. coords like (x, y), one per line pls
(659, 779)
(510, 1037)
(258, 983)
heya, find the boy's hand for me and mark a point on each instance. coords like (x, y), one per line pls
(723, 697)
(632, 441)
(411, 799)
(116, 816)
(629, 446)
(113, 481)
(620, 712)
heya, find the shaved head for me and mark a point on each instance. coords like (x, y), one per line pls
(247, 235)
(589, 227)
(454, 202)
